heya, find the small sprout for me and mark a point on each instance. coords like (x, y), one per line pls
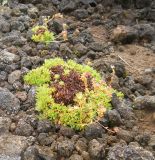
(56, 76)
(42, 34)
(66, 71)
(58, 15)
(61, 83)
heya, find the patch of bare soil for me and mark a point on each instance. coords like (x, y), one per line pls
(146, 120)
(137, 60)
(99, 33)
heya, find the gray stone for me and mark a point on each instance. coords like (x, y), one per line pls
(67, 5)
(44, 139)
(21, 96)
(145, 31)
(14, 37)
(17, 25)
(33, 12)
(143, 139)
(81, 13)
(124, 34)
(121, 151)
(151, 15)
(75, 157)
(97, 47)
(65, 148)
(5, 123)
(96, 150)
(81, 146)
(23, 128)
(142, 4)
(12, 146)
(66, 131)
(31, 153)
(125, 135)
(14, 76)
(44, 126)
(94, 131)
(8, 101)
(80, 49)
(114, 118)
(152, 142)
(145, 102)
(8, 57)
(57, 24)
(92, 3)
(4, 26)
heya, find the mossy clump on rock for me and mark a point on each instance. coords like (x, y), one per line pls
(70, 94)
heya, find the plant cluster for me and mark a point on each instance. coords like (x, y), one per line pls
(42, 34)
(69, 93)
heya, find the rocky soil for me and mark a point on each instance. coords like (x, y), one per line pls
(100, 32)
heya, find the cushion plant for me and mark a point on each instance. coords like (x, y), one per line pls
(69, 93)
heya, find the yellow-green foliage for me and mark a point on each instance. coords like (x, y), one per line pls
(89, 105)
(42, 34)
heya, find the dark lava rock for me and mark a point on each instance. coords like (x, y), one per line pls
(75, 157)
(114, 118)
(23, 128)
(145, 31)
(93, 130)
(80, 49)
(151, 15)
(8, 57)
(84, 37)
(12, 147)
(65, 148)
(17, 25)
(4, 26)
(124, 34)
(14, 37)
(5, 124)
(14, 76)
(92, 3)
(126, 111)
(8, 101)
(44, 139)
(44, 126)
(66, 131)
(125, 135)
(31, 153)
(67, 5)
(96, 150)
(97, 47)
(152, 142)
(120, 70)
(145, 102)
(81, 146)
(57, 25)
(81, 14)
(26, 62)
(132, 152)
(142, 4)
(143, 139)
